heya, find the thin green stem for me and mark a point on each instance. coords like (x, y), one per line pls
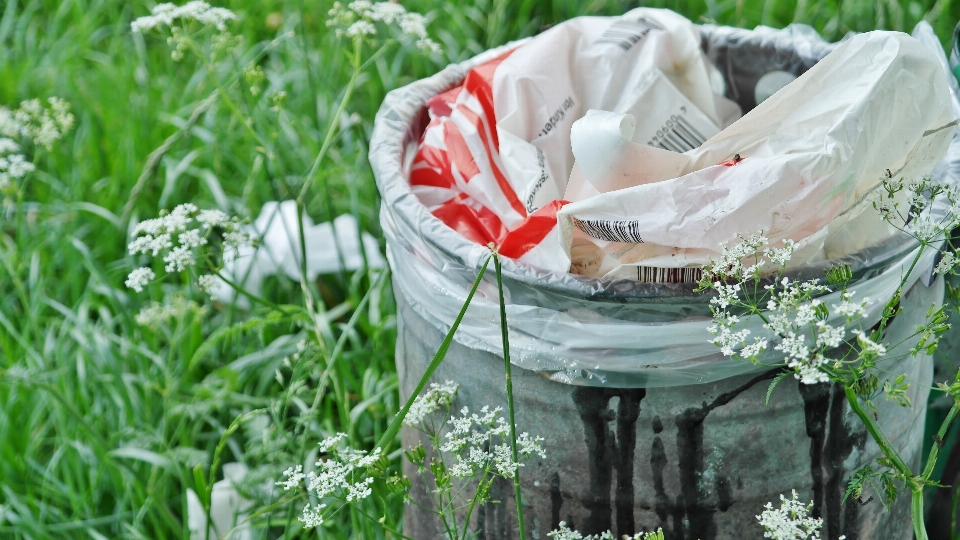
(510, 408)
(916, 487)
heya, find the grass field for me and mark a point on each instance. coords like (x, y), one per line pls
(102, 420)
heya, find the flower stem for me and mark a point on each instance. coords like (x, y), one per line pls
(510, 409)
(915, 486)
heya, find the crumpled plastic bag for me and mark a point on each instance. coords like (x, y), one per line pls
(494, 161)
(800, 166)
(279, 250)
(626, 117)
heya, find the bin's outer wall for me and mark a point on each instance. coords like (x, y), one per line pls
(699, 461)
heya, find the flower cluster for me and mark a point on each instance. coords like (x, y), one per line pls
(41, 124)
(436, 397)
(791, 521)
(342, 476)
(167, 15)
(919, 197)
(565, 533)
(793, 311)
(177, 236)
(358, 20)
(34, 122)
(481, 443)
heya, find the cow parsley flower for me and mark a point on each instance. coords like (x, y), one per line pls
(8, 145)
(168, 14)
(208, 283)
(436, 397)
(139, 278)
(179, 236)
(791, 521)
(358, 20)
(565, 533)
(850, 309)
(947, 263)
(480, 442)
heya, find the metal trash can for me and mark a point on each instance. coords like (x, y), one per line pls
(646, 424)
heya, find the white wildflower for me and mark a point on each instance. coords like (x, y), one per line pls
(850, 309)
(726, 294)
(213, 218)
(829, 336)
(360, 28)
(791, 521)
(528, 446)
(208, 283)
(886, 208)
(178, 259)
(167, 14)
(8, 145)
(806, 313)
(780, 256)
(754, 349)
(356, 20)
(236, 239)
(293, 478)
(312, 516)
(139, 278)
(480, 443)
(181, 216)
(947, 263)
(436, 397)
(794, 347)
(926, 230)
(727, 339)
(331, 442)
(192, 239)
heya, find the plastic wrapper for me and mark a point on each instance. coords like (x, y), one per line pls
(582, 330)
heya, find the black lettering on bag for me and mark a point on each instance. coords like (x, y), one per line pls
(556, 117)
(542, 162)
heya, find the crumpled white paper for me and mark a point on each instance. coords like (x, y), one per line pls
(228, 510)
(802, 165)
(279, 250)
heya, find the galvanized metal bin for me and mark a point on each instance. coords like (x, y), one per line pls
(646, 425)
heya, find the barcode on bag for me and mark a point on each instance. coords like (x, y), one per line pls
(626, 34)
(650, 274)
(677, 135)
(611, 231)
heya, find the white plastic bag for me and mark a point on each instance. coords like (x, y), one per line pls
(801, 165)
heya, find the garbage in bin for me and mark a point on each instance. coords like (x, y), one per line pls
(625, 119)
(650, 424)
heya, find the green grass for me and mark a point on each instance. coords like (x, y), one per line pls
(102, 421)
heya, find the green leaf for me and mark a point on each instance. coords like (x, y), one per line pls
(200, 481)
(773, 384)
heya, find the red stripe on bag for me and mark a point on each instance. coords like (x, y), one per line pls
(481, 226)
(442, 104)
(479, 83)
(458, 152)
(502, 181)
(532, 231)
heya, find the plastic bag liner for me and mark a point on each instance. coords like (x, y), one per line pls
(586, 331)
